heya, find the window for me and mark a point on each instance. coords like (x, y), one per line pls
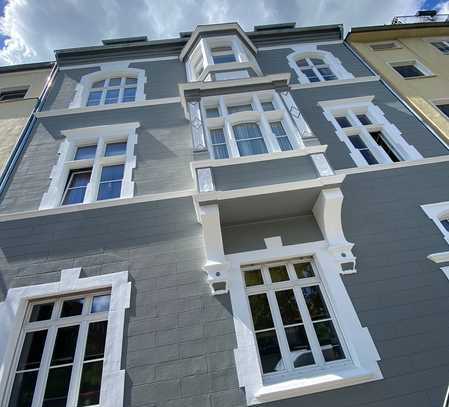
(249, 139)
(384, 46)
(223, 54)
(293, 324)
(267, 106)
(112, 90)
(444, 109)
(439, 214)
(343, 121)
(94, 164)
(315, 69)
(62, 344)
(239, 108)
(358, 143)
(6, 95)
(219, 146)
(442, 46)
(382, 142)
(212, 112)
(411, 69)
(445, 223)
(281, 136)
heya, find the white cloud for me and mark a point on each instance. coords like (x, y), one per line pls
(36, 27)
(443, 7)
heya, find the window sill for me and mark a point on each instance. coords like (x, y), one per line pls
(294, 387)
(419, 77)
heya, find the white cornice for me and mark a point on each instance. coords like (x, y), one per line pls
(336, 82)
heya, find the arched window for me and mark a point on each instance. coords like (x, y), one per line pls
(317, 66)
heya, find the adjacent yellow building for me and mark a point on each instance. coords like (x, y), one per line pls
(20, 88)
(413, 58)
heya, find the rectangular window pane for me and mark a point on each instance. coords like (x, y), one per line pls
(219, 143)
(408, 71)
(57, 387)
(311, 75)
(131, 81)
(212, 112)
(90, 384)
(444, 109)
(329, 342)
(32, 349)
(96, 339)
(98, 84)
(315, 303)
(112, 96)
(363, 118)
(13, 94)
(253, 277)
(327, 74)
(115, 149)
(379, 138)
(110, 182)
(442, 46)
(129, 94)
(240, 108)
(302, 62)
(65, 345)
(100, 303)
(445, 223)
(73, 307)
(260, 310)
(343, 121)
(278, 273)
(220, 152)
(288, 307)
(94, 98)
(85, 152)
(222, 59)
(41, 312)
(267, 106)
(304, 270)
(76, 187)
(282, 138)
(249, 139)
(23, 389)
(360, 145)
(115, 81)
(299, 346)
(270, 354)
(317, 61)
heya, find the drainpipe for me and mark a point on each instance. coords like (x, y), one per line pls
(410, 108)
(26, 133)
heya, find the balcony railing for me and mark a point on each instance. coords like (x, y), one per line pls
(421, 18)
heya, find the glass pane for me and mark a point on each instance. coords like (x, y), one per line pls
(33, 346)
(65, 345)
(23, 389)
(317, 61)
(112, 172)
(129, 94)
(303, 270)
(240, 108)
(327, 74)
(115, 81)
(90, 384)
(71, 308)
(288, 307)
(57, 388)
(444, 109)
(299, 346)
(85, 152)
(315, 302)
(302, 62)
(80, 179)
(212, 112)
(109, 190)
(328, 339)
(115, 149)
(252, 147)
(445, 223)
(220, 151)
(379, 138)
(112, 96)
(222, 59)
(222, 48)
(369, 157)
(100, 303)
(267, 106)
(217, 136)
(311, 75)
(96, 339)
(357, 142)
(98, 84)
(284, 143)
(277, 129)
(253, 277)
(270, 355)
(260, 310)
(408, 71)
(94, 98)
(343, 121)
(41, 312)
(74, 196)
(131, 81)
(278, 273)
(363, 118)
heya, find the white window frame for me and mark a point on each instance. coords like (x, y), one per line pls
(14, 310)
(437, 212)
(396, 45)
(364, 105)
(108, 70)
(437, 103)
(430, 40)
(312, 51)
(203, 52)
(257, 115)
(426, 71)
(101, 136)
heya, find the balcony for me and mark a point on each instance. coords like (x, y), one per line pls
(423, 16)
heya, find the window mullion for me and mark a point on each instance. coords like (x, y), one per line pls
(42, 376)
(77, 366)
(308, 326)
(377, 150)
(317, 73)
(268, 136)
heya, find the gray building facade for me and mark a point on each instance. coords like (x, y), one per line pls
(225, 219)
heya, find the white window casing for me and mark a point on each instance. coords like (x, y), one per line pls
(99, 135)
(312, 51)
(352, 107)
(361, 364)
(417, 64)
(12, 314)
(108, 70)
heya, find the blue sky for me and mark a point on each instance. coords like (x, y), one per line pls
(33, 29)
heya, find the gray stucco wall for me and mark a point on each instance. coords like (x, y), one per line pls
(263, 173)
(413, 131)
(163, 153)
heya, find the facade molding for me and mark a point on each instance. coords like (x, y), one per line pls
(13, 309)
(337, 82)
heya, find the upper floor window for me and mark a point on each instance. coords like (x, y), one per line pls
(61, 352)
(385, 46)
(95, 164)
(442, 46)
(314, 65)
(223, 54)
(13, 94)
(242, 125)
(411, 69)
(370, 138)
(113, 90)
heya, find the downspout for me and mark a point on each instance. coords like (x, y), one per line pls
(26, 133)
(392, 91)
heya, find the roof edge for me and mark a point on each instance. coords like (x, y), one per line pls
(26, 67)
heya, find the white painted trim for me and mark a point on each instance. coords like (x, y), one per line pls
(337, 82)
(299, 44)
(102, 108)
(128, 62)
(426, 71)
(397, 45)
(99, 135)
(96, 205)
(311, 50)
(108, 70)
(436, 212)
(12, 313)
(363, 366)
(441, 257)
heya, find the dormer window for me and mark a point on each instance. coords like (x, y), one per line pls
(113, 90)
(316, 69)
(222, 55)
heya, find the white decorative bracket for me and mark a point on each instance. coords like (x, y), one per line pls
(198, 137)
(327, 211)
(216, 267)
(205, 180)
